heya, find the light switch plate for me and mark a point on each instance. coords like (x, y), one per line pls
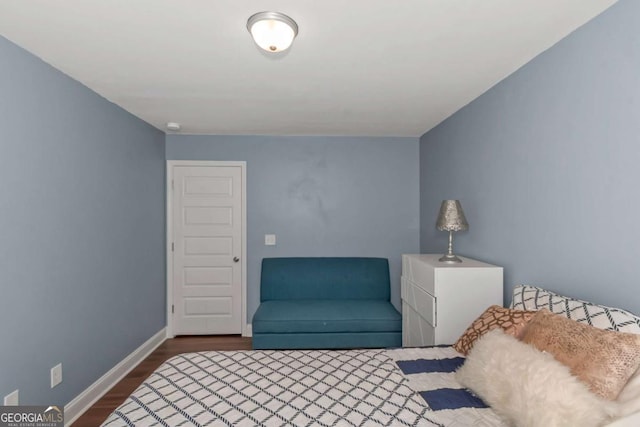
(270, 239)
(56, 375)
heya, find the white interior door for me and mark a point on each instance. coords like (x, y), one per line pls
(207, 249)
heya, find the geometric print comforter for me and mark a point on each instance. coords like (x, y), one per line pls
(292, 388)
(430, 373)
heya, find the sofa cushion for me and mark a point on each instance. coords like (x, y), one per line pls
(330, 340)
(324, 278)
(322, 316)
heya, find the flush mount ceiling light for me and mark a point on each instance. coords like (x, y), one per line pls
(173, 126)
(272, 31)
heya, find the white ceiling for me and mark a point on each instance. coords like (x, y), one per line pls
(357, 67)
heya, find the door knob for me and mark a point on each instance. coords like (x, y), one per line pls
(236, 259)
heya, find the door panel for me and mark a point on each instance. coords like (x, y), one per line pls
(207, 237)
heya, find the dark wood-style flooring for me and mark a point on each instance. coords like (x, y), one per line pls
(171, 347)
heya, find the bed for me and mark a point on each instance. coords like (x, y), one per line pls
(373, 387)
(305, 387)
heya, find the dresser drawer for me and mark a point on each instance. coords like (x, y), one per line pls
(419, 300)
(419, 273)
(416, 332)
(439, 300)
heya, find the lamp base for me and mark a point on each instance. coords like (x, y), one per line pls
(449, 258)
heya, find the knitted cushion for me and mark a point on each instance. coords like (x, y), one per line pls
(604, 360)
(511, 321)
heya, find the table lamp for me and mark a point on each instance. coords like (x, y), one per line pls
(451, 218)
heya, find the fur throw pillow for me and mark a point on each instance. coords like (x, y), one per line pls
(529, 388)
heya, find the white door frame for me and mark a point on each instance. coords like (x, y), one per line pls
(169, 259)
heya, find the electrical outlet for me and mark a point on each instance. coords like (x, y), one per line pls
(56, 375)
(270, 239)
(11, 399)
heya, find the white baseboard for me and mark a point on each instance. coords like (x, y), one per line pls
(249, 331)
(95, 391)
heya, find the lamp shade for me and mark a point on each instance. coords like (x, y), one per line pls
(272, 31)
(451, 217)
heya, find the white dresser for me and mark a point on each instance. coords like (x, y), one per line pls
(440, 300)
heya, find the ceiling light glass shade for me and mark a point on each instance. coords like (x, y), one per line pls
(272, 31)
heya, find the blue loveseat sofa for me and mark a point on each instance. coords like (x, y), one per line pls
(325, 303)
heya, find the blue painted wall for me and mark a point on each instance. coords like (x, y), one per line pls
(546, 166)
(321, 196)
(81, 231)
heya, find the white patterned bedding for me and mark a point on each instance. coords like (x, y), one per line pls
(304, 388)
(430, 372)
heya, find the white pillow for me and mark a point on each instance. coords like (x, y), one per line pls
(530, 298)
(629, 397)
(529, 388)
